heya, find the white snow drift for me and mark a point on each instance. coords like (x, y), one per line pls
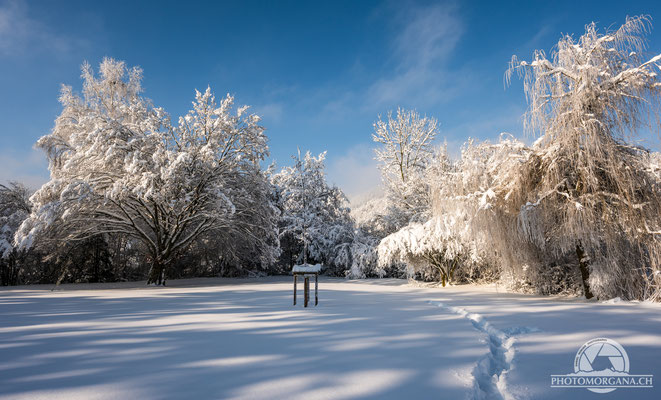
(369, 339)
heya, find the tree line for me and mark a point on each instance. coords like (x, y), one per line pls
(135, 195)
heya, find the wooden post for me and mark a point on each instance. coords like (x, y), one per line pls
(306, 289)
(316, 287)
(295, 289)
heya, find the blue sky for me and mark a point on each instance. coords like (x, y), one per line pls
(318, 72)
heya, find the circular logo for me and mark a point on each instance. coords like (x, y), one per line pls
(601, 357)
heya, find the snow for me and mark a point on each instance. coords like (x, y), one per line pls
(313, 212)
(307, 268)
(495, 363)
(367, 339)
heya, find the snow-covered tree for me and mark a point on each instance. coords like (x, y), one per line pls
(437, 248)
(404, 153)
(405, 148)
(359, 257)
(14, 209)
(587, 192)
(466, 191)
(376, 216)
(315, 217)
(119, 167)
(655, 165)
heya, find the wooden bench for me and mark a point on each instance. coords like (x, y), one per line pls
(307, 271)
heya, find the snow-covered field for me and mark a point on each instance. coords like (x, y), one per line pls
(369, 339)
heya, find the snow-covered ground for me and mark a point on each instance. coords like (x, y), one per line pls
(369, 339)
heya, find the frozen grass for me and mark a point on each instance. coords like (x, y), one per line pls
(243, 339)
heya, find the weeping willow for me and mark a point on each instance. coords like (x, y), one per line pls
(587, 195)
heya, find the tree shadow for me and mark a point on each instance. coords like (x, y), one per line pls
(238, 340)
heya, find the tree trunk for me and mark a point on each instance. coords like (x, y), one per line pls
(156, 273)
(585, 272)
(440, 269)
(14, 269)
(451, 270)
(63, 274)
(97, 260)
(4, 274)
(9, 269)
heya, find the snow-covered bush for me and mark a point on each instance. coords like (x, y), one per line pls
(455, 243)
(431, 249)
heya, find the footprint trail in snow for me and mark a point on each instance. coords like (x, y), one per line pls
(488, 373)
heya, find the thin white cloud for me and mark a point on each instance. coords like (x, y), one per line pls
(21, 34)
(417, 72)
(29, 168)
(421, 51)
(12, 24)
(270, 112)
(356, 173)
